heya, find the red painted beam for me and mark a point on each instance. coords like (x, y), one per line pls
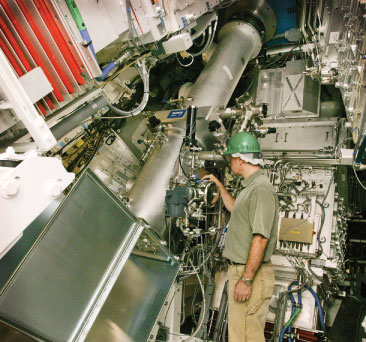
(10, 57)
(17, 69)
(59, 40)
(9, 36)
(31, 48)
(45, 46)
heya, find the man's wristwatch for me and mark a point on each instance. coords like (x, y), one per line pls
(246, 281)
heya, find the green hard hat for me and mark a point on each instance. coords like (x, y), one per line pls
(243, 142)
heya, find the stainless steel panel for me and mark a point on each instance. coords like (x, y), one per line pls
(270, 90)
(135, 301)
(311, 135)
(61, 285)
(115, 165)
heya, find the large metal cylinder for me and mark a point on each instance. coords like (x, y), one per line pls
(147, 195)
(238, 43)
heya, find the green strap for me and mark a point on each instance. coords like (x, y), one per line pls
(76, 14)
(292, 318)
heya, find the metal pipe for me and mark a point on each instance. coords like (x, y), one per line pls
(210, 155)
(190, 139)
(74, 119)
(309, 20)
(147, 195)
(303, 19)
(239, 42)
(289, 48)
(219, 329)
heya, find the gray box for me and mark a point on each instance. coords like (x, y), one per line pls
(36, 84)
(289, 92)
(301, 93)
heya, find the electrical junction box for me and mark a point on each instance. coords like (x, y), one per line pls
(180, 42)
(346, 157)
(296, 230)
(176, 200)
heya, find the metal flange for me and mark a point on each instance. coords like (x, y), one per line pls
(256, 12)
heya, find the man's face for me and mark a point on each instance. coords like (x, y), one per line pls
(234, 163)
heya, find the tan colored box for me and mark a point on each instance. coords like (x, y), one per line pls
(297, 230)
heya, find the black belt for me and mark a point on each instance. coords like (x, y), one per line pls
(239, 264)
(235, 263)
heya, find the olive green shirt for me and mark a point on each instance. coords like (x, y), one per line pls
(255, 211)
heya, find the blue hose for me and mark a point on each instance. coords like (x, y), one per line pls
(85, 35)
(295, 282)
(299, 300)
(282, 333)
(360, 152)
(106, 70)
(320, 310)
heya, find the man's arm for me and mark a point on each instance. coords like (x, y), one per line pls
(256, 254)
(225, 195)
(242, 291)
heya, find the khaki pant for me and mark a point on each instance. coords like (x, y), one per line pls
(247, 319)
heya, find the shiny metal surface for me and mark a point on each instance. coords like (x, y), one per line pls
(261, 10)
(61, 285)
(135, 301)
(147, 196)
(238, 43)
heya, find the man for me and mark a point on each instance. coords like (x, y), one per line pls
(250, 240)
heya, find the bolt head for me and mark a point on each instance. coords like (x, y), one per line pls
(53, 188)
(9, 188)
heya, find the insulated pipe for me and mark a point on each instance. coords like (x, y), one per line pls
(147, 195)
(239, 42)
(74, 119)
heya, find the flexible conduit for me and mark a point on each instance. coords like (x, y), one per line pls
(140, 66)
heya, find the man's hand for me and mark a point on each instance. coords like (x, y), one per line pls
(242, 291)
(212, 178)
(226, 197)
